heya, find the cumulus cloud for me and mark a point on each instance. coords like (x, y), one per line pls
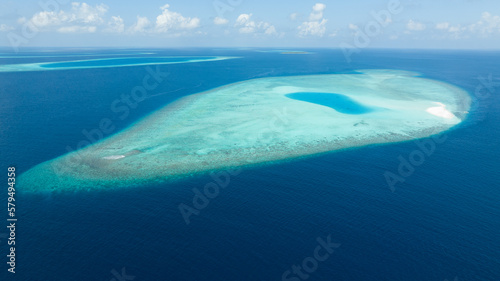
(451, 31)
(141, 25)
(81, 18)
(455, 28)
(488, 24)
(485, 27)
(87, 13)
(415, 26)
(316, 25)
(317, 13)
(115, 25)
(4, 27)
(77, 28)
(270, 30)
(443, 25)
(220, 21)
(353, 26)
(169, 20)
(246, 25)
(44, 19)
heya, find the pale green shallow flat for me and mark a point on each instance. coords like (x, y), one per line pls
(253, 122)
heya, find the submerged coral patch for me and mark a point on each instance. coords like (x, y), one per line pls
(259, 121)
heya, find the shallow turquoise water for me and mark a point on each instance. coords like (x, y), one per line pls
(340, 103)
(103, 62)
(119, 62)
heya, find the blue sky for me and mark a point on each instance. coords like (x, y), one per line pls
(464, 24)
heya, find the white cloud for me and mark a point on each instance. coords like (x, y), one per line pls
(485, 27)
(317, 13)
(316, 26)
(443, 25)
(415, 26)
(247, 25)
(455, 28)
(140, 25)
(243, 18)
(77, 28)
(4, 27)
(452, 31)
(270, 30)
(294, 16)
(81, 18)
(488, 24)
(319, 7)
(353, 26)
(115, 25)
(44, 19)
(220, 21)
(88, 14)
(169, 20)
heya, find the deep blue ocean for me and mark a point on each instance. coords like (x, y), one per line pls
(441, 223)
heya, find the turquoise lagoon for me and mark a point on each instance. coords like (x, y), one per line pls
(340, 103)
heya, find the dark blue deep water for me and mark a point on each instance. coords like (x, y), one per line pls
(340, 103)
(442, 222)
